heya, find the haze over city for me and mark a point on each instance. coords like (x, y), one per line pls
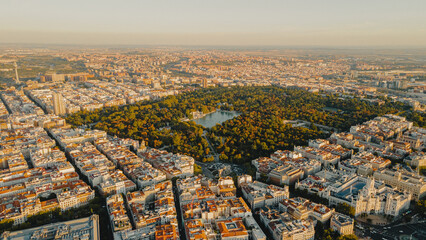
(330, 23)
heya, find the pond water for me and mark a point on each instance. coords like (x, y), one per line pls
(214, 118)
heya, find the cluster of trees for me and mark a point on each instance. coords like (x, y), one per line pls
(255, 134)
(31, 65)
(345, 209)
(418, 118)
(311, 196)
(197, 170)
(258, 131)
(323, 233)
(157, 122)
(420, 207)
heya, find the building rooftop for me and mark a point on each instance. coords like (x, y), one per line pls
(83, 228)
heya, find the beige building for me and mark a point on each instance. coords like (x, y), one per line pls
(283, 227)
(205, 83)
(301, 209)
(58, 104)
(342, 224)
(415, 137)
(416, 159)
(404, 181)
(285, 175)
(259, 194)
(82, 228)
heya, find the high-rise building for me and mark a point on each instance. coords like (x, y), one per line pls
(58, 77)
(205, 84)
(16, 73)
(54, 77)
(58, 104)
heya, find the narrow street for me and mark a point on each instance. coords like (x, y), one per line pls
(179, 212)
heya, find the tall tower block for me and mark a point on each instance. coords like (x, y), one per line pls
(58, 104)
(16, 73)
(205, 83)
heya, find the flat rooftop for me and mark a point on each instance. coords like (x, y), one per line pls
(351, 190)
(84, 228)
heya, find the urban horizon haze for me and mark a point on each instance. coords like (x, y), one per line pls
(235, 23)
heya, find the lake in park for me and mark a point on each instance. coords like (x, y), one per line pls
(214, 118)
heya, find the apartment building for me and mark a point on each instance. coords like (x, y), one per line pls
(302, 209)
(83, 228)
(260, 194)
(416, 159)
(342, 224)
(285, 167)
(403, 180)
(283, 226)
(173, 165)
(210, 210)
(117, 213)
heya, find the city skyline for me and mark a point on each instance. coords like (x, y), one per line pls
(224, 120)
(218, 23)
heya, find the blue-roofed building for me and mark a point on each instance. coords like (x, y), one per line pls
(366, 195)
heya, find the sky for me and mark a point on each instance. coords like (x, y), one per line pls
(309, 23)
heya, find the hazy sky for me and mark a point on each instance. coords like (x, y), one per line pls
(386, 23)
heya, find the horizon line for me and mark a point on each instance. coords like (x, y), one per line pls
(251, 46)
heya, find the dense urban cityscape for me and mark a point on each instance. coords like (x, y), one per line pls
(212, 120)
(64, 173)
